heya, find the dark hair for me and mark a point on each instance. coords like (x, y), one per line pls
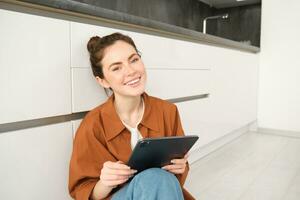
(97, 45)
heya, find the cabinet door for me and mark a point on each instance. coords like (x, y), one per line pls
(163, 52)
(175, 83)
(86, 92)
(80, 35)
(157, 51)
(34, 67)
(75, 126)
(35, 162)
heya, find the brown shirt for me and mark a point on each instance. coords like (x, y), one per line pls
(102, 137)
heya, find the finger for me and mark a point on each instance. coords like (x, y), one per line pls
(166, 166)
(115, 165)
(171, 167)
(118, 171)
(106, 177)
(114, 183)
(112, 177)
(177, 171)
(186, 156)
(179, 161)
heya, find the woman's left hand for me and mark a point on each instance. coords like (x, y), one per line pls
(178, 165)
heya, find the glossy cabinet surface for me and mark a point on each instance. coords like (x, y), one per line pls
(34, 67)
(35, 162)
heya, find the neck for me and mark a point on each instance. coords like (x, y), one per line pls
(128, 108)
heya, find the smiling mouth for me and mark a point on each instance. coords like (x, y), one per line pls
(133, 82)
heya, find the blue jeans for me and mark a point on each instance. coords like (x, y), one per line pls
(151, 184)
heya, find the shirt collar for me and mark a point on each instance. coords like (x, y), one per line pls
(113, 125)
(150, 118)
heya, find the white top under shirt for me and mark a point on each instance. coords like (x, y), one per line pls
(135, 133)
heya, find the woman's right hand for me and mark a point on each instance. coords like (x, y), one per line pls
(115, 173)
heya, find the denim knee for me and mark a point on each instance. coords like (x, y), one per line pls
(151, 184)
(156, 174)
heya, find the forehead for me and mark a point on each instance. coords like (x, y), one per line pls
(120, 50)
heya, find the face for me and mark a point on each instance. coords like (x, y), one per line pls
(123, 70)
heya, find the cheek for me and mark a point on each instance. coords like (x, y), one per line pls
(145, 74)
(117, 79)
(142, 69)
(113, 78)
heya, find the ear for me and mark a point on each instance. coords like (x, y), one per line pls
(102, 82)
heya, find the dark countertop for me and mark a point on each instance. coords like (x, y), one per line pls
(143, 23)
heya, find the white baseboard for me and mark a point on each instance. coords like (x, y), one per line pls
(253, 127)
(213, 146)
(285, 133)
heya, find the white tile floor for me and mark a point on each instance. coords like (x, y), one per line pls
(252, 167)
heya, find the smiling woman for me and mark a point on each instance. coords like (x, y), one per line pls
(124, 70)
(108, 133)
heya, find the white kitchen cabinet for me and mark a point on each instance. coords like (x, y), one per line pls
(34, 67)
(176, 83)
(157, 51)
(35, 162)
(86, 92)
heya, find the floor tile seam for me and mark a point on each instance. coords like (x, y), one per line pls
(291, 184)
(211, 155)
(229, 170)
(260, 172)
(209, 159)
(226, 172)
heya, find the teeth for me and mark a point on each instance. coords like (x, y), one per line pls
(132, 82)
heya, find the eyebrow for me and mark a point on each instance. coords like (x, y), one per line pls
(117, 63)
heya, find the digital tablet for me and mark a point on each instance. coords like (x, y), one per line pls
(158, 152)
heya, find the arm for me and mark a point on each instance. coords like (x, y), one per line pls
(88, 156)
(100, 191)
(112, 175)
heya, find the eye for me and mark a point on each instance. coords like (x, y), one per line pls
(116, 68)
(134, 60)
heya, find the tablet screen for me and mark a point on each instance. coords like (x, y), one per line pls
(158, 152)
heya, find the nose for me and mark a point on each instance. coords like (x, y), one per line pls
(129, 70)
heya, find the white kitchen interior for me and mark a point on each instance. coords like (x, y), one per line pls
(247, 121)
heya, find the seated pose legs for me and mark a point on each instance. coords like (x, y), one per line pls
(151, 184)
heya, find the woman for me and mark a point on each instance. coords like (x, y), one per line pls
(108, 133)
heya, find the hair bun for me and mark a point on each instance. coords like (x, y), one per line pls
(92, 43)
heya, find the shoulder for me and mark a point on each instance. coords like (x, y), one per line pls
(91, 125)
(161, 104)
(96, 112)
(93, 115)
(166, 114)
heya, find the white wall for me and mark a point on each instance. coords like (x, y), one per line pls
(279, 82)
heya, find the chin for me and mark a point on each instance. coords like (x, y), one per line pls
(131, 93)
(136, 93)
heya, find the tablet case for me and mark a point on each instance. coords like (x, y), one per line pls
(158, 152)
